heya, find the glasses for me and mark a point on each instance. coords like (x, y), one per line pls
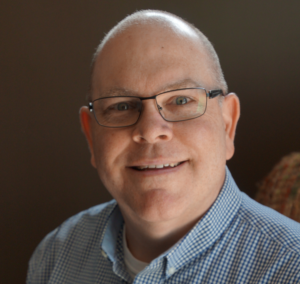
(173, 106)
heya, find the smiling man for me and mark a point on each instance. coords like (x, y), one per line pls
(160, 127)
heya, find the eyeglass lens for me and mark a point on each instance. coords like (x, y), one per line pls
(173, 106)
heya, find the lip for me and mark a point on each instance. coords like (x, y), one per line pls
(154, 162)
(154, 172)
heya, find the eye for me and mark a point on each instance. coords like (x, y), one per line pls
(181, 100)
(122, 106)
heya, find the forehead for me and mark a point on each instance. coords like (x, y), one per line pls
(146, 59)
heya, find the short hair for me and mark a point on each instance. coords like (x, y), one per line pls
(137, 17)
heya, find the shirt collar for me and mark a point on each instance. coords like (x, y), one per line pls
(111, 232)
(206, 232)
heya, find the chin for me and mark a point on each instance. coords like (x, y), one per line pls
(157, 206)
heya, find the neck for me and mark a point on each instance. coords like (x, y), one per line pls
(146, 241)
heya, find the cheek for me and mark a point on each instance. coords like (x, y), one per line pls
(205, 140)
(108, 148)
(202, 134)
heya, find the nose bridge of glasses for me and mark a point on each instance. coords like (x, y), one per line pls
(151, 98)
(148, 98)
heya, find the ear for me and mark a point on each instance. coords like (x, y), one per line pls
(86, 126)
(231, 115)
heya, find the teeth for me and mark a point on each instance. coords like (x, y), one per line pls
(158, 166)
(143, 167)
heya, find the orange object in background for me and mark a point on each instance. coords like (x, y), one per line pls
(280, 189)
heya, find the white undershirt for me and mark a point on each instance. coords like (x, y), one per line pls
(133, 265)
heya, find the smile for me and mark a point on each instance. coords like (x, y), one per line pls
(151, 167)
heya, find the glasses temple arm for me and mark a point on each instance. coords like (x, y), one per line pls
(214, 93)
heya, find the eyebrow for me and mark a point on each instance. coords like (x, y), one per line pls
(185, 83)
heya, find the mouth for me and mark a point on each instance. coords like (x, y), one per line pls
(157, 167)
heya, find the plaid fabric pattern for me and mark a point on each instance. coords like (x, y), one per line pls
(237, 241)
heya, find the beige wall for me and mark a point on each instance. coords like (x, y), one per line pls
(46, 47)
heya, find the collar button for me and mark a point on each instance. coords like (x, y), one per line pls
(171, 270)
(104, 254)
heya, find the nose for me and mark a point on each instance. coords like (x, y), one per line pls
(151, 127)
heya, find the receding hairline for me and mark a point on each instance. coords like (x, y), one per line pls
(161, 18)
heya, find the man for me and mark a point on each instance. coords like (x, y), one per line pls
(160, 127)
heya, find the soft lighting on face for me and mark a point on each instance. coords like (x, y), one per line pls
(178, 24)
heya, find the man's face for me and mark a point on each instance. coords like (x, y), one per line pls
(145, 62)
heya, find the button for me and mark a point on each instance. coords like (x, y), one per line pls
(171, 270)
(104, 254)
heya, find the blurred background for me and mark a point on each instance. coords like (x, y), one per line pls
(45, 53)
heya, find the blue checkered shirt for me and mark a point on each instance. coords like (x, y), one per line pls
(236, 241)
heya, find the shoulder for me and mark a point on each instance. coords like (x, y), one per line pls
(77, 234)
(270, 224)
(82, 225)
(89, 219)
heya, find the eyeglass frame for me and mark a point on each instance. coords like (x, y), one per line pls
(209, 94)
